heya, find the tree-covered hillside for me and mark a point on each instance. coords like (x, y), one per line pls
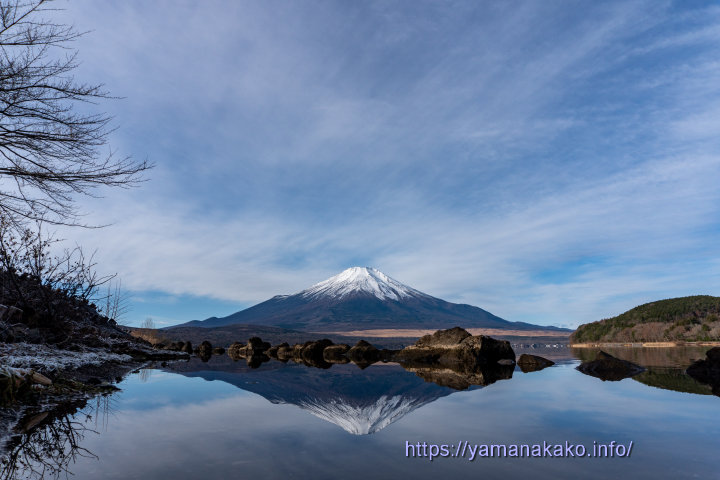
(695, 318)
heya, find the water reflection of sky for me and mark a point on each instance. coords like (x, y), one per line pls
(172, 426)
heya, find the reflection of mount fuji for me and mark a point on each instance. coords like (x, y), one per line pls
(359, 401)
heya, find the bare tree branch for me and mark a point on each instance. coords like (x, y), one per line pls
(48, 151)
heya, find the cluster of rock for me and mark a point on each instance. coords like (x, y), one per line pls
(456, 359)
(318, 353)
(450, 357)
(708, 370)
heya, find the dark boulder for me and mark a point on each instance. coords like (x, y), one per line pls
(336, 353)
(708, 370)
(175, 346)
(272, 352)
(218, 351)
(363, 354)
(312, 353)
(236, 350)
(204, 351)
(533, 363)
(205, 348)
(256, 346)
(606, 367)
(443, 338)
(284, 352)
(453, 348)
(187, 347)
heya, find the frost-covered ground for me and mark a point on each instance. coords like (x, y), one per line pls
(45, 359)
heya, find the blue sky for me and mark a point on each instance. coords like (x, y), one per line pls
(551, 162)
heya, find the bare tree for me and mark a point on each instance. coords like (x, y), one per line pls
(148, 323)
(48, 151)
(115, 303)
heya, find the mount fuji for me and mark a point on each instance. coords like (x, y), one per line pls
(360, 402)
(362, 298)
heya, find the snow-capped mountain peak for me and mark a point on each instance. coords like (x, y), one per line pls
(359, 280)
(363, 419)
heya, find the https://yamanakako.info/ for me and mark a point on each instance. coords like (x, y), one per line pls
(471, 451)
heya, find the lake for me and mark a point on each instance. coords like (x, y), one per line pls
(224, 419)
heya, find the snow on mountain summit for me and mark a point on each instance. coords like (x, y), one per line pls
(359, 280)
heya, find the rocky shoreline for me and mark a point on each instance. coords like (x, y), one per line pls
(48, 365)
(40, 379)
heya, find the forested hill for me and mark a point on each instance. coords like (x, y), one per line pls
(695, 318)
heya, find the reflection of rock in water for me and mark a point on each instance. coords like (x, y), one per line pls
(359, 401)
(254, 361)
(708, 370)
(675, 379)
(680, 357)
(364, 402)
(606, 367)
(462, 380)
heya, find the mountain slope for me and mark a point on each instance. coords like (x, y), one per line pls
(695, 318)
(363, 298)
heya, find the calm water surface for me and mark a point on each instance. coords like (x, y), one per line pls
(223, 419)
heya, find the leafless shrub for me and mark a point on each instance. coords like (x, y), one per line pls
(42, 283)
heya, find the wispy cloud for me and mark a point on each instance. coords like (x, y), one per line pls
(547, 162)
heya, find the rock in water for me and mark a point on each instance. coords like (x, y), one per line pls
(256, 346)
(284, 352)
(312, 353)
(607, 367)
(444, 338)
(336, 353)
(533, 363)
(456, 347)
(456, 359)
(204, 351)
(272, 352)
(236, 350)
(708, 370)
(363, 354)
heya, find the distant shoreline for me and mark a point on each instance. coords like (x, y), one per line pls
(418, 332)
(646, 344)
